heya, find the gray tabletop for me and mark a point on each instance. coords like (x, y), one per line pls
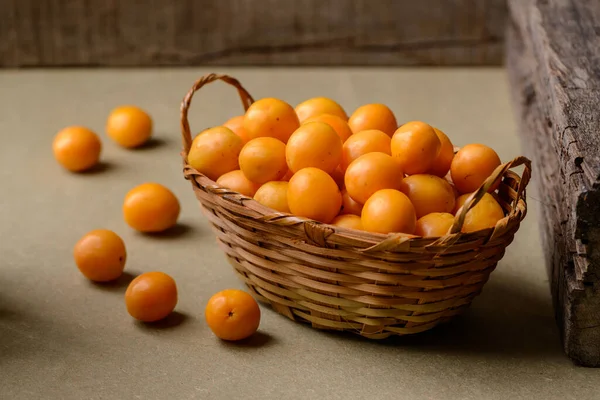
(62, 337)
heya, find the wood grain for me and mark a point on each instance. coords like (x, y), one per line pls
(554, 67)
(42, 33)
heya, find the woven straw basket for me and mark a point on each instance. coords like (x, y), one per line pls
(339, 279)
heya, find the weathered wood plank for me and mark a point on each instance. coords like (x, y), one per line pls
(554, 67)
(36, 33)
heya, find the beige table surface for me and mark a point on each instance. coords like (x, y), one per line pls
(64, 338)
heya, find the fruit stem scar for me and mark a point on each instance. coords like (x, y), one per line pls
(231, 313)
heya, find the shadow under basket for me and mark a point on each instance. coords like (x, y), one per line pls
(370, 284)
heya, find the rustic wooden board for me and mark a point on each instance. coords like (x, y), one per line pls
(553, 61)
(37, 33)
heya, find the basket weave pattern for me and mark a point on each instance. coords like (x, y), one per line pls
(339, 279)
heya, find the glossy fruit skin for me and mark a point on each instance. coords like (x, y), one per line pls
(77, 148)
(373, 116)
(232, 315)
(317, 106)
(362, 143)
(472, 165)
(460, 201)
(372, 172)
(434, 224)
(387, 211)
(314, 144)
(215, 152)
(339, 125)
(274, 195)
(288, 175)
(484, 215)
(429, 194)
(151, 207)
(100, 255)
(441, 165)
(263, 160)
(129, 126)
(313, 194)
(416, 145)
(270, 117)
(349, 205)
(349, 221)
(236, 124)
(151, 296)
(237, 181)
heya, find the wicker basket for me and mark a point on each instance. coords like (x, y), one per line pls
(339, 279)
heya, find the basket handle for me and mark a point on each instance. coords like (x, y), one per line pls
(186, 134)
(459, 219)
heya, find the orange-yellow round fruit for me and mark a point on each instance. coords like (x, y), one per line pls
(338, 177)
(100, 255)
(389, 210)
(364, 142)
(441, 165)
(237, 181)
(150, 297)
(370, 173)
(288, 175)
(472, 165)
(349, 205)
(373, 116)
(263, 160)
(434, 224)
(313, 194)
(270, 117)
(232, 315)
(339, 125)
(215, 152)
(274, 195)
(416, 146)
(151, 207)
(484, 215)
(77, 148)
(236, 124)
(318, 106)
(460, 201)
(428, 193)
(349, 221)
(129, 126)
(314, 144)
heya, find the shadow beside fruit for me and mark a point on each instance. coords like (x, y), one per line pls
(100, 168)
(118, 285)
(172, 320)
(151, 144)
(177, 231)
(259, 339)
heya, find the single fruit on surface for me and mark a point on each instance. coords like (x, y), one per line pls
(349, 221)
(416, 145)
(237, 181)
(313, 194)
(339, 125)
(362, 143)
(236, 124)
(232, 315)
(428, 193)
(129, 126)
(151, 296)
(318, 106)
(274, 195)
(370, 173)
(442, 163)
(349, 205)
(270, 117)
(263, 160)
(389, 210)
(100, 255)
(314, 144)
(77, 148)
(373, 116)
(472, 165)
(434, 224)
(484, 215)
(215, 152)
(151, 207)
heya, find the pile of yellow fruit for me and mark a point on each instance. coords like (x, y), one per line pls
(360, 172)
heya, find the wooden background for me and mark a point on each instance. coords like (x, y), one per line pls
(43, 33)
